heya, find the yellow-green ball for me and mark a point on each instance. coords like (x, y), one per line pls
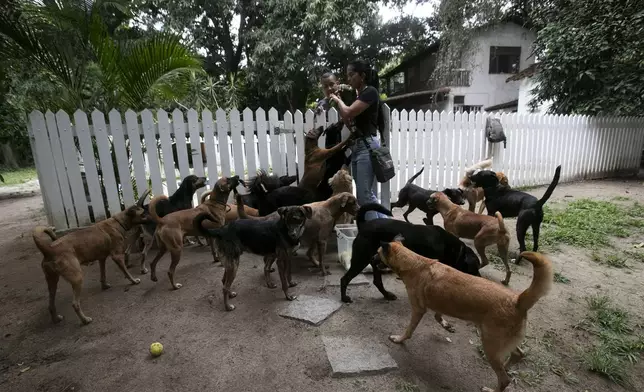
(156, 349)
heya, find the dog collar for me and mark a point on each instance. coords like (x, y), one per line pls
(120, 224)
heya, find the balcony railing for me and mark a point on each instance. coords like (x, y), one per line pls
(459, 78)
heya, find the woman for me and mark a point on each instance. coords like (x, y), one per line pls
(330, 86)
(364, 113)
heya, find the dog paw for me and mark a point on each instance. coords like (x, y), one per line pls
(486, 389)
(86, 320)
(105, 286)
(271, 285)
(177, 286)
(448, 327)
(232, 294)
(292, 284)
(57, 319)
(505, 282)
(153, 278)
(136, 281)
(291, 297)
(396, 339)
(346, 299)
(230, 308)
(390, 297)
(144, 271)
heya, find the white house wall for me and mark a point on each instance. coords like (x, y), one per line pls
(526, 85)
(491, 89)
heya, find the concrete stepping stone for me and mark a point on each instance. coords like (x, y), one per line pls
(309, 309)
(353, 357)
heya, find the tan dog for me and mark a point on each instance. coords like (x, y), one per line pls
(499, 313)
(231, 210)
(472, 194)
(64, 256)
(483, 229)
(342, 182)
(172, 228)
(315, 158)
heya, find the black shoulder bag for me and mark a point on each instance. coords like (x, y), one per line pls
(381, 161)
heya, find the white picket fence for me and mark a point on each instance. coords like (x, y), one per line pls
(441, 143)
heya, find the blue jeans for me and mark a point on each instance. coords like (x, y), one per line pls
(364, 176)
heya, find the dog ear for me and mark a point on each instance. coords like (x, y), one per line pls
(308, 212)
(386, 249)
(331, 180)
(281, 211)
(399, 238)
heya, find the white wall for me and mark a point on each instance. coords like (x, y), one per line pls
(526, 85)
(491, 89)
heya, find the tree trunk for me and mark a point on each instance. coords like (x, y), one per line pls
(7, 157)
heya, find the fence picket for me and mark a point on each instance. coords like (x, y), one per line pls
(262, 139)
(404, 146)
(395, 150)
(427, 149)
(166, 151)
(224, 149)
(413, 156)
(457, 160)
(290, 144)
(249, 142)
(47, 167)
(299, 140)
(89, 164)
(443, 151)
(134, 136)
(385, 189)
(180, 143)
(211, 147)
(194, 129)
(151, 150)
(276, 157)
(236, 137)
(61, 171)
(70, 156)
(106, 163)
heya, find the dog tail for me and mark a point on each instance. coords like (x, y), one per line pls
(499, 217)
(153, 208)
(204, 196)
(371, 207)
(541, 280)
(415, 176)
(43, 237)
(202, 230)
(551, 188)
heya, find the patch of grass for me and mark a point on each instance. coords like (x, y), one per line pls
(405, 386)
(616, 347)
(559, 278)
(610, 260)
(529, 377)
(621, 198)
(636, 255)
(590, 223)
(567, 376)
(18, 176)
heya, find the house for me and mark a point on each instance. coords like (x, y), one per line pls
(495, 52)
(526, 82)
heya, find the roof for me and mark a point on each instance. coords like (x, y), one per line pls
(525, 73)
(506, 105)
(435, 46)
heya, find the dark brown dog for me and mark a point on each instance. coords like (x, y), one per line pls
(172, 228)
(64, 256)
(483, 229)
(499, 313)
(266, 237)
(231, 210)
(315, 158)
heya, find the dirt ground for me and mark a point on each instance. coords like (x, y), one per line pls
(254, 349)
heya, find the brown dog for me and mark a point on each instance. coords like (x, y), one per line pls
(231, 210)
(472, 194)
(315, 158)
(342, 182)
(498, 312)
(483, 229)
(64, 256)
(172, 228)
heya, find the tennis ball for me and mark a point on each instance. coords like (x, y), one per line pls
(156, 349)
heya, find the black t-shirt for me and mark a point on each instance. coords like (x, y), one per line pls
(367, 121)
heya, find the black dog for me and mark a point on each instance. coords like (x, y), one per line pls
(263, 184)
(428, 241)
(417, 197)
(269, 202)
(262, 237)
(512, 203)
(180, 200)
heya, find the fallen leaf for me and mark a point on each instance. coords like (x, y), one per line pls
(25, 369)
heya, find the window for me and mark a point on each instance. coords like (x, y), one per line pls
(504, 59)
(467, 108)
(398, 83)
(459, 99)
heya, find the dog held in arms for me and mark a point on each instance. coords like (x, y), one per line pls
(417, 197)
(499, 313)
(64, 256)
(430, 241)
(180, 200)
(484, 230)
(512, 203)
(266, 237)
(341, 182)
(172, 228)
